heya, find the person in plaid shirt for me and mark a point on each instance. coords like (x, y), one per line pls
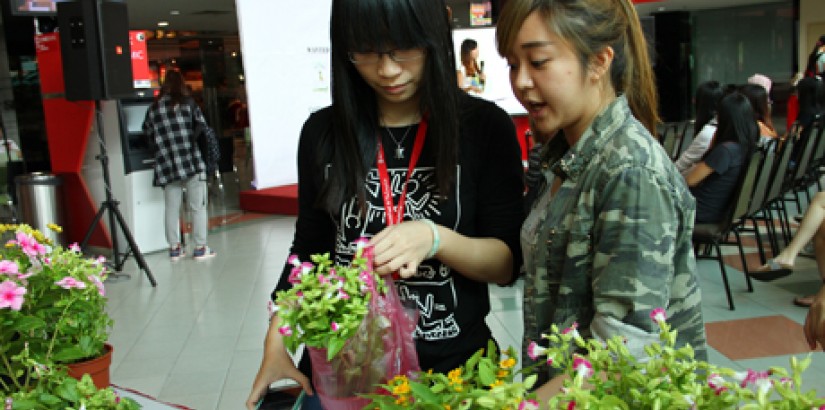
(170, 126)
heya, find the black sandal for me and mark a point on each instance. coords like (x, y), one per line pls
(771, 271)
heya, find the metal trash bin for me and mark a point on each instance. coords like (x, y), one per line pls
(40, 202)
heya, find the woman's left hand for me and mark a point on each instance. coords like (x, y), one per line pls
(401, 248)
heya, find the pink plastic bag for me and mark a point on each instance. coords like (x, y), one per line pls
(382, 348)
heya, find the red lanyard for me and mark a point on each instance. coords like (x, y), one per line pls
(395, 214)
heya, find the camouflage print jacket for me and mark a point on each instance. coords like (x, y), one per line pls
(614, 242)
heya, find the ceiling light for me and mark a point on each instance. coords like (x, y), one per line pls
(661, 8)
(174, 12)
(163, 23)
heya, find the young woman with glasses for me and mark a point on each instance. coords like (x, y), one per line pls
(448, 163)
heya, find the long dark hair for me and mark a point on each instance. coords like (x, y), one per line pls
(351, 143)
(810, 69)
(736, 123)
(758, 97)
(708, 95)
(809, 92)
(174, 86)
(467, 47)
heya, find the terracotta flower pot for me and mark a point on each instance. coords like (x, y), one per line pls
(97, 368)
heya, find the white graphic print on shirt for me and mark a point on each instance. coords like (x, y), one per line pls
(432, 290)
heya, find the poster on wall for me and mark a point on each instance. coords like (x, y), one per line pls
(481, 14)
(497, 73)
(287, 78)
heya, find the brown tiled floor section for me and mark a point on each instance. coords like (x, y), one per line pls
(756, 337)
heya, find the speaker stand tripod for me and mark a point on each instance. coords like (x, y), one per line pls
(111, 205)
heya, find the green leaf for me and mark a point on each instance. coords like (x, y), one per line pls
(25, 404)
(335, 346)
(487, 373)
(69, 354)
(25, 324)
(419, 390)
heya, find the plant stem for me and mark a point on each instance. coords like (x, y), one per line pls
(11, 375)
(56, 331)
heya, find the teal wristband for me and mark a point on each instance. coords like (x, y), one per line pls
(436, 239)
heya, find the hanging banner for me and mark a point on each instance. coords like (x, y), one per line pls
(141, 74)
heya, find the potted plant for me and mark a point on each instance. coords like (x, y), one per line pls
(351, 321)
(604, 375)
(52, 308)
(55, 389)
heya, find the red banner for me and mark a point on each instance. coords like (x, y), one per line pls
(140, 60)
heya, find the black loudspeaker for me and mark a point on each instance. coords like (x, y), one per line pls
(672, 66)
(94, 43)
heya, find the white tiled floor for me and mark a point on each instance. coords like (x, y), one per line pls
(196, 339)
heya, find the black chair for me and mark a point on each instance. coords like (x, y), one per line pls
(759, 198)
(672, 134)
(713, 235)
(774, 198)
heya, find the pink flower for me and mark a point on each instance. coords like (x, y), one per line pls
(571, 405)
(582, 366)
(534, 350)
(272, 308)
(717, 383)
(343, 294)
(323, 280)
(746, 377)
(98, 284)
(550, 359)
(528, 405)
(29, 245)
(285, 330)
(298, 271)
(69, 282)
(100, 260)
(294, 261)
(11, 295)
(74, 247)
(335, 327)
(572, 331)
(9, 267)
(658, 315)
(295, 276)
(368, 279)
(361, 243)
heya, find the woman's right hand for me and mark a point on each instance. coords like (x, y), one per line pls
(276, 365)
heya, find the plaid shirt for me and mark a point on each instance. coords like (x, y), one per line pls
(170, 129)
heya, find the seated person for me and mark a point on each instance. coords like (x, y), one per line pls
(707, 99)
(758, 97)
(714, 179)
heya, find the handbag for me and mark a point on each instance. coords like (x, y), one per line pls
(206, 141)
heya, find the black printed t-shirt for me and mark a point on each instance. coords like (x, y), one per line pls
(485, 202)
(714, 194)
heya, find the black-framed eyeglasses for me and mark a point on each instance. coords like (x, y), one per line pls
(399, 55)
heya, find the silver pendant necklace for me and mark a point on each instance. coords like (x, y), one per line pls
(399, 150)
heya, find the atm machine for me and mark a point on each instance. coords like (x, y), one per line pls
(130, 170)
